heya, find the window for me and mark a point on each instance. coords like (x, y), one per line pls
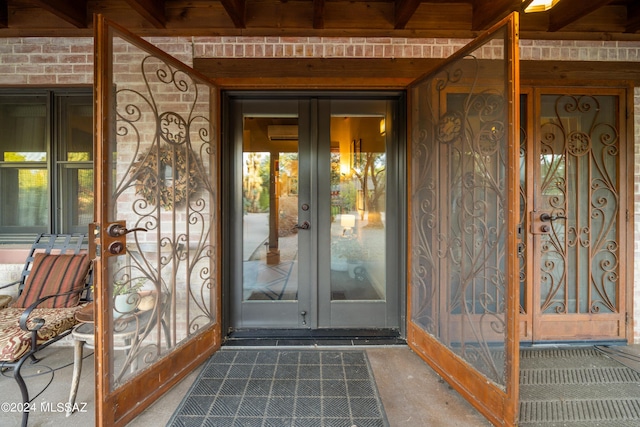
(46, 163)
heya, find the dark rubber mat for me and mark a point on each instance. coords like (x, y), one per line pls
(577, 387)
(283, 388)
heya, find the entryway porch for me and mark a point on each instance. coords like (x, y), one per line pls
(554, 389)
(401, 377)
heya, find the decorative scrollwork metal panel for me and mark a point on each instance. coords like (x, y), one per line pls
(579, 157)
(523, 223)
(458, 197)
(162, 172)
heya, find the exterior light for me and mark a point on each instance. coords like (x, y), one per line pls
(540, 5)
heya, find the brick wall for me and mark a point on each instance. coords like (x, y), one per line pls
(56, 61)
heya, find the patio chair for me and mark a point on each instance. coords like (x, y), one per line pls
(55, 283)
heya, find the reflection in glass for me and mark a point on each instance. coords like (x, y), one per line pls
(358, 192)
(76, 162)
(270, 209)
(24, 182)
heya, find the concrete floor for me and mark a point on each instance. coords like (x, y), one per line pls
(412, 394)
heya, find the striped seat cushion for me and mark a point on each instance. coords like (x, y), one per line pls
(54, 274)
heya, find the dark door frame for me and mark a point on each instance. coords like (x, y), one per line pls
(399, 153)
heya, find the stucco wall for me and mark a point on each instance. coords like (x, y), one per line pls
(56, 61)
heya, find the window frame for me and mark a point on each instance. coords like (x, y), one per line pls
(60, 205)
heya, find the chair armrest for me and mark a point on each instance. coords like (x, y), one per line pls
(39, 322)
(17, 282)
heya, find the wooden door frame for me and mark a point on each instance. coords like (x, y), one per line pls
(619, 88)
(115, 408)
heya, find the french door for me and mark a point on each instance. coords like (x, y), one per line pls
(312, 233)
(575, 176)
(464, 197)
(156, 236)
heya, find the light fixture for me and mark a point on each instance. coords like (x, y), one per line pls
(540, 5)
(383, 127)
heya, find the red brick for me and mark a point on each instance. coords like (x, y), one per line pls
(42, 79)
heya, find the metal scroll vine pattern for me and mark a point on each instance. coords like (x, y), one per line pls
(579, 152)
(458, 224)
(162, 183)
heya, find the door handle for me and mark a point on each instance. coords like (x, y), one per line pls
(118, 230)
(114, 239)
(548, 218)
(304, 226)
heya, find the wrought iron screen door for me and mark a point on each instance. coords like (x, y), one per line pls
(464, 196)
(577, 218)
(156, 234)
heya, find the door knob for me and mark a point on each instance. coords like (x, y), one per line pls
(304, 226)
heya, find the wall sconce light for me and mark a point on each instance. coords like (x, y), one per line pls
(383, 127)
(347, 222)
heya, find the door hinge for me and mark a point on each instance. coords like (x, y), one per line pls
(627, 215)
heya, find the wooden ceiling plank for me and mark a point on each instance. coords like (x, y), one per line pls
(404, 10)
(618, 20)
(4, 14)
(236, 10)
(71, 11)
(151, 10)
(488, 12)
(567, 11)
(318, 14)
(633, 18)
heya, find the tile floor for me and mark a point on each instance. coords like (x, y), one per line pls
(412, 394)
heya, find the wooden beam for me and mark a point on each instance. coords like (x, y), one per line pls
(318, 14)
(4, 14)
(151, 10)
(404, 10)
(633, 18)
(313, 67)
(566, 12)
(565, 72)
(390, 73)
(488, 12)
(72, 11)
(236, 10)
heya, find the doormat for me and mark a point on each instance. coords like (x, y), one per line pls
(283, 388)
(576, 387)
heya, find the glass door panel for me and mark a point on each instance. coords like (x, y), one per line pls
(358, 246)
(310, 186)
(268, 190)
(358, 195)
(270, 209)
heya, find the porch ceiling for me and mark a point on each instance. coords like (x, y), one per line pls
(569, 19)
